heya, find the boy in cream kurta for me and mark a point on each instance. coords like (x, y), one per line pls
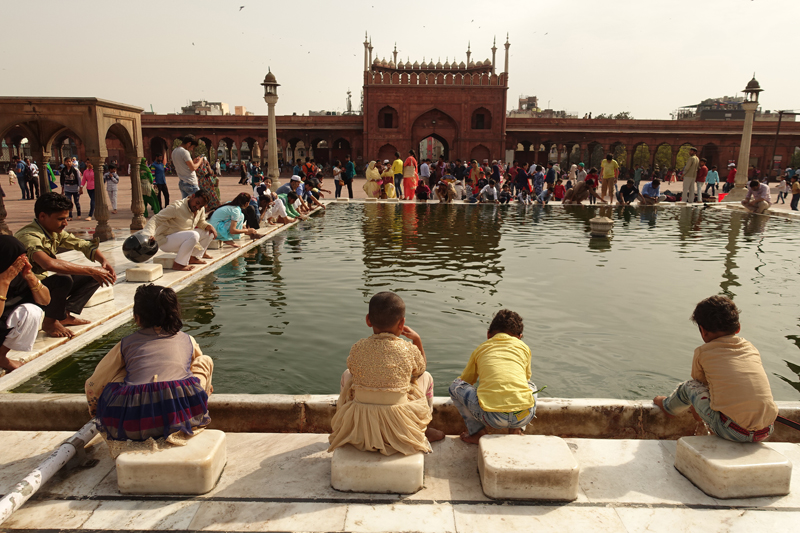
(729, 389)
(386, 398)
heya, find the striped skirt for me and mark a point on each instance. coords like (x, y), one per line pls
(157, 410)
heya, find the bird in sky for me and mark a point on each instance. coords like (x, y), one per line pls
(241, 7)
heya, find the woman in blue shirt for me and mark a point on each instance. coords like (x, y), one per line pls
(228, 220)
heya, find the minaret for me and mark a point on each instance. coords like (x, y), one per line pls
(366, 45)
(370, 52)
(468, 52)
(494, 51)
(508, 45)
(395, 54)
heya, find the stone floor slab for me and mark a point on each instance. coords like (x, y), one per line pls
(144, 515)
(399, 518)
(65, 514)
(674, 520)
(269, 516)
(539, 519)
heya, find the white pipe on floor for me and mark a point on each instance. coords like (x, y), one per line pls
(26, 488)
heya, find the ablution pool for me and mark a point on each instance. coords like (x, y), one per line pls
(604, 318)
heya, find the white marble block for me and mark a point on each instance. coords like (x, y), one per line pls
(102, 295)
(144, 273)
(343, 199)
(370, 200)
(393, 200)
(165, 260)
(527, 467)
(725, 469)
(191, 469)
(215, 245)
(356, 471)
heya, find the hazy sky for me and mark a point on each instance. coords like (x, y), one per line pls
(647, 57)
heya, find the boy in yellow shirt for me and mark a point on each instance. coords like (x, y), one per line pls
(505, 396)
(729, 389)
(397, 171)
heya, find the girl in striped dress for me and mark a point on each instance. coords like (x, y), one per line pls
(154, 383)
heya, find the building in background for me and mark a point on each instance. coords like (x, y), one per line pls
(204, 107)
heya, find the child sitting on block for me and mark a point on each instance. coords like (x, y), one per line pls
(386, 396)
(729, 389)
(505, 396)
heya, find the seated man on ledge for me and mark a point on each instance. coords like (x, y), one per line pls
(173, 229)
(758, 197)
(651, 193)
(71, 285)
(729, 389)
(627, 193)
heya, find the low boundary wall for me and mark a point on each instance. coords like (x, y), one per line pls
(277, 413)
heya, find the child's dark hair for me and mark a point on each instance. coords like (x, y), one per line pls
(717, 314)
(386, 309)
(506, 321)
(158, 306)
(51, 202)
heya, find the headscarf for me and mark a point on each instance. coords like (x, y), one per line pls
(372, 172)
(10, 250)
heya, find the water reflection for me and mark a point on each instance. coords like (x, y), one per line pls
(794, 368)
(457, 245)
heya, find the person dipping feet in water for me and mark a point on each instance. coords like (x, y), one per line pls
(386, 398)
(159, 370)
(173, 228)
(729, 389)
(505, 396)
(71, 285)
(21, 294)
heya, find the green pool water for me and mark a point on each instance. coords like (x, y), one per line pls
(603, 318)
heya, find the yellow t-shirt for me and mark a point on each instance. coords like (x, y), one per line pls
(796, 187)
(739, 388)
(609, 169)
(397, 166)
(503, 365)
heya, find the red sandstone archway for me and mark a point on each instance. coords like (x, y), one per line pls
(434, 123)
(386, 151)
(479, 153)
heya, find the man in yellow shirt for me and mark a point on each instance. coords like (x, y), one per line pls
(397, 170)
(729, 389)
(609, 170)
(505, 397)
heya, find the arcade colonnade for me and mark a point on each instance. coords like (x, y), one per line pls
(100, 128)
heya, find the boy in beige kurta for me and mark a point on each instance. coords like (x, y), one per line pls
(386, 398)
(729, 389)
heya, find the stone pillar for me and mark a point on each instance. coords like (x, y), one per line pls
(102, 231)
(4, 229)
(44, 179)
(674, 161)
(137, 202)
(739, 190)
(272, 155)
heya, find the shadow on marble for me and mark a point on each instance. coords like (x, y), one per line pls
(23, 451)
(144, 515)
(640, 471)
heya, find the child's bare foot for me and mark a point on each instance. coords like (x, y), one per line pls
(659, 401)
(434, 434)
(195, 261)
(231, 244)
(206, 256)
(178, 266)
(54, 328)
(472, 439)
(515, 431)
